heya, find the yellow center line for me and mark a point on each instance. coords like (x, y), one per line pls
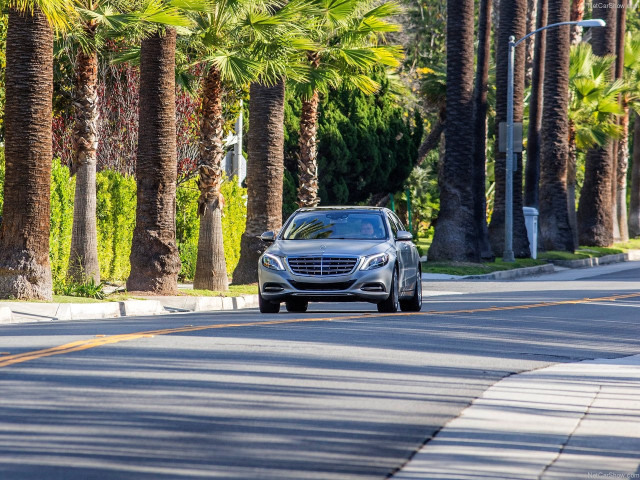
(80, 345)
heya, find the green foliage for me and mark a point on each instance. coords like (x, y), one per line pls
(367, 144)
(289, 195)
(188, 224)
(62, 195)
(87, 289)
(1, 179)
(116, 214)
(593, 97)
(425, 195)
(234, 221)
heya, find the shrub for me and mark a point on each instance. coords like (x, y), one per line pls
(62, 198)
(1, 179)
(116, 214)
(116, 218)
(188, 224)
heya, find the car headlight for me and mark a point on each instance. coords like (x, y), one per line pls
(375, 261)
(272, 262)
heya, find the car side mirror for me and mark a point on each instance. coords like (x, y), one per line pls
(268, 237)
(404, 236)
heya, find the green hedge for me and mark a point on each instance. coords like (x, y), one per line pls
(62, 192)
(116, 218)
(188, 224)
(116, 212)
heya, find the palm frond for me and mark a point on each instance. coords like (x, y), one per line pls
(235, 68)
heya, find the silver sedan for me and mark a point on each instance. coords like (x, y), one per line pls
(339, 254)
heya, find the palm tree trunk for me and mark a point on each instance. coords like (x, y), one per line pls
(480, 107)
(623, 165)
(83, 260)
(595, 219)
(532, 15)
(308, 161)
(621, 155)
(555, 230)
(265, 171)
(572, 165)
(211, 266)
(576, 14)
(634, 207)
(513, 16)
(532, 172)
(25, 271)
(155, 262)
(455, 230)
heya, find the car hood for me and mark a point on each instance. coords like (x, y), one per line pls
(294, 248)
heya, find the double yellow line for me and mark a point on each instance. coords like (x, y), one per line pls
(107, 340)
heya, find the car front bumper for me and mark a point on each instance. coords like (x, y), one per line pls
(360, 285)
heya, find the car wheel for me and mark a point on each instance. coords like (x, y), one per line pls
(297, 306)
(391, 304)
(266, 306)
(414, 304)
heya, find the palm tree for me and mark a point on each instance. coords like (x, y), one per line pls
(593, 105)
(555, 229)
(25, 271)
(513, 17)
(265, 167)
(265, 171)
(632, 98)
(346, 37)
(455, 232)
(621, 158)
(532, 169)
(93, 23)
(228, 39)
(634, 204)
(480, 107)
(155, 262)
(595, 219)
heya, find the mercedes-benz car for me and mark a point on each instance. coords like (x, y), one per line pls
(339, 254)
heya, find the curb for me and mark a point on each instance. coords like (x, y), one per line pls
(201, 304)
(127, 308)
(515, 273)
(631, 255)
(6, 315)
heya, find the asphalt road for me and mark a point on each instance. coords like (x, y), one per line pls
(341, 392)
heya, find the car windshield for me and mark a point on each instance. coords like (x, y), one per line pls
(336, 225)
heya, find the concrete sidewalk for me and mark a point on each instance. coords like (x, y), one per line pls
(568, 421)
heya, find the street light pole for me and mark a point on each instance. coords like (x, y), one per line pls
(508, 255)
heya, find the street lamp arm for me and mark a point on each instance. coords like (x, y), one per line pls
(582, 23)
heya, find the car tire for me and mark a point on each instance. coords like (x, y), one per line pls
(297, 306)
(267, 306)
(391, 304)
(414, 304)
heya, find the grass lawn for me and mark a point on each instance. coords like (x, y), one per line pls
(234, 291)
(464, 268)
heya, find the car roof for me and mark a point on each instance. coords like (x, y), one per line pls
(342, 207)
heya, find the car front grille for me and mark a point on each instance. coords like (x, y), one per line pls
(322, 265)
